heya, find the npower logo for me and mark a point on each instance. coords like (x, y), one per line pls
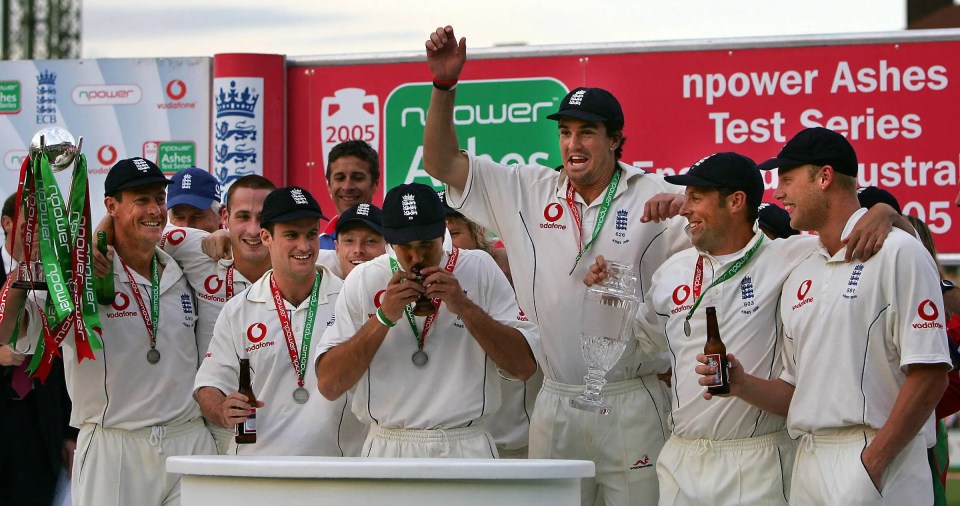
(106, 94)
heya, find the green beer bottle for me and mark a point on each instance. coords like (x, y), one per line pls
(104, 284)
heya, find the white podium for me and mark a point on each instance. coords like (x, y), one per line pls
(300, 481)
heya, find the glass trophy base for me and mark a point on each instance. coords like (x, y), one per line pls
(582, 403)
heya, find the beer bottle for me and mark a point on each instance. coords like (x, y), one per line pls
(103, 285)
(423, 306)
(246, 431)
(716, 354)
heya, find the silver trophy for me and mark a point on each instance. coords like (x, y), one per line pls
(61, 149)
(608, 311)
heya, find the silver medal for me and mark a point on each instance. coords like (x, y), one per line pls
(420, 358)
(301, 395)
(153, 356)
(686, 328)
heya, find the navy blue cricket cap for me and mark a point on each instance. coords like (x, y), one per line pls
(131, 173)
(413, 212)
(590, 104)
(288, 204)
(775, 219)
(870, 195)
(367, 215)
(724, 170)
(816, 146)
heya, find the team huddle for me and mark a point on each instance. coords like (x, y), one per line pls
(387, 335)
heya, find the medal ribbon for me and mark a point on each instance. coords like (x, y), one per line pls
(731, 271)
(153, 322)
(601, 214)
(299, 362)
(408, 312)
(87, 314)
(229, 282)
(54, 237)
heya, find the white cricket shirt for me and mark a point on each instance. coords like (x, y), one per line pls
(526, 206)
(120, 389)
(459, 386)
(248, 327)
(852, 329)
(747, 312)
(207, 277)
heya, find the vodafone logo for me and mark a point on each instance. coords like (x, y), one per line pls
(121, 301)
(681, 294)
(176, 236)
(928, 310)
(176, 89)
(378, 298)
(256, 332)
(107, 155)
(804, 289)
(552, 212)
(213, 284)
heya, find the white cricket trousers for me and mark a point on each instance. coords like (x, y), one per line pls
(117, 467)
(623, 444)
(462, 443)
(704, 472)
(828, 470)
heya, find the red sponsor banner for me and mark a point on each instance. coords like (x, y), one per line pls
(896, 100)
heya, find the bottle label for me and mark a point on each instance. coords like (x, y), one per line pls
(250, 425)
(713, 360)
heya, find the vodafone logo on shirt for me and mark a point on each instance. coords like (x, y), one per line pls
(213, 284)
(680, 295)
(552, 213)
(174, 237)
(120, 304)
(929, 313)
(255, 334)
(211, 287)
(802, 292)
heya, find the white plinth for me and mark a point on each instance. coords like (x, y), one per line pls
(300, 481)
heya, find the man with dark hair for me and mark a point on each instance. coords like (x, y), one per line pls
(550, 221)
(132, 402)
(217, 281)
(272, 323)
(426, 380)
(733, 268)
(870, 332)
(353, 174)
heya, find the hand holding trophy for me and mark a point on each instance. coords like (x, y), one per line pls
(61, 150)
(61, 231)
(608, 310)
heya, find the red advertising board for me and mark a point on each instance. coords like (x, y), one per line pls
(896, 100)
